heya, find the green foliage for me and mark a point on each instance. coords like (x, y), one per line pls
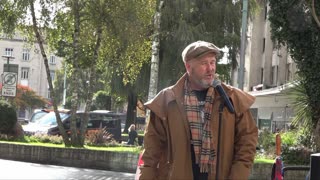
(292, 24)
(292, 148)
(44, 138)
(8, 117)
(289, 138)
(267, 141)
(102, 100)
(301, 107)
(305, 138)
(183, 22)
(299, 155)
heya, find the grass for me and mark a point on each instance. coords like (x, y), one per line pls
(259, 160)
(130, 149)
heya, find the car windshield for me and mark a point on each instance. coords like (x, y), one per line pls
(50, 118)
(36, 116)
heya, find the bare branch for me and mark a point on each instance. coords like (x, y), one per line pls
(314, 14)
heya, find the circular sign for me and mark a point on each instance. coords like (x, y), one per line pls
(10, 79)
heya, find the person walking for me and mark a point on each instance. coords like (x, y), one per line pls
(188, 136)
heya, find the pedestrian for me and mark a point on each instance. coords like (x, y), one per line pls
(132, 134)
(181, 138)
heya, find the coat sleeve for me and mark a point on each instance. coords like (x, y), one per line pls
(155, 148)
(246, 139)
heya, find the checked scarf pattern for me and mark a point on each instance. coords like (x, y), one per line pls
(199, 117)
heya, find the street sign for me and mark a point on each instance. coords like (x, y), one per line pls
(9, 81)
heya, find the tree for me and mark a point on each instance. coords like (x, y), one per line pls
(102, 100)
(153, 85)
(294, 23)
(183, 22)
(8, 117)
(27, 98)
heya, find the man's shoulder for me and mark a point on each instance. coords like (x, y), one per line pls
(240, 99)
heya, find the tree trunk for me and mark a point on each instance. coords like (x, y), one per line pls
(131, 110)
(92, 83)
(74, 82)
(154, 69)
(153, 86)
(45, 59)
(317, 136)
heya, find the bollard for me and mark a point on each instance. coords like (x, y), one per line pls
(314, 166)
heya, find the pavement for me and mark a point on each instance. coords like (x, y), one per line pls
(32, 171)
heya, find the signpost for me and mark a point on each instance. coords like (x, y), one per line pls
(9, 78)
(9, 82)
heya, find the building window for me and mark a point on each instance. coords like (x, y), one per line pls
(24, 73)
(25, 54)
(9, 52)
(52, 59)
(52, 74)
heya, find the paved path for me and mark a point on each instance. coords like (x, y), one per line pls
(32, 171)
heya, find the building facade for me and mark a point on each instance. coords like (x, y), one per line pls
(269, 70)
(31, 68)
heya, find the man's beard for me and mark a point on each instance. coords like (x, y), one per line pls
(200, 82)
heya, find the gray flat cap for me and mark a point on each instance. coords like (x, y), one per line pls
(198, 49)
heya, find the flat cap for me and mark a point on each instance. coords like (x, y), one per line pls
(197, 49)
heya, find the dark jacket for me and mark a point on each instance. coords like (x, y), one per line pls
(167, 152)
(132, 137)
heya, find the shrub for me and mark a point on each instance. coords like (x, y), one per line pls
(297, 155)
(44, 138)
(8, 117)
(267, 141)
(6, 137)
(305, 138)
(289, 138)
(99, 137)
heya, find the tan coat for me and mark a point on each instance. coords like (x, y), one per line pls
(167, 153)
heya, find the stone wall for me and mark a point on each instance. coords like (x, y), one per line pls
(105, 160)
(84, 158)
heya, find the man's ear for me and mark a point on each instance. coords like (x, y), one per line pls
(188, 67)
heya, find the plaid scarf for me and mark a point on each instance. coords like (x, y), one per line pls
(199, 116)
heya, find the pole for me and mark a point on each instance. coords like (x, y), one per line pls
(243, 43)
(64, 85)
(8, 62)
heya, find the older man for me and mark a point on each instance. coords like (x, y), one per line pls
(181, 139)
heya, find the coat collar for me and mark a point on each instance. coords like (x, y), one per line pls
(240, 99)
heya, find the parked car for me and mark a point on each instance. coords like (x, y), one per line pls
(97, 119)
(45, 124)
(37, 114)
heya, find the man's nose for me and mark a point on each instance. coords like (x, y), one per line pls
(210, 67)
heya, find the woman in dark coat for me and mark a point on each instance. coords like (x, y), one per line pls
(132, 134)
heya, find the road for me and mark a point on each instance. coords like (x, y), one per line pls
(23, 170)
